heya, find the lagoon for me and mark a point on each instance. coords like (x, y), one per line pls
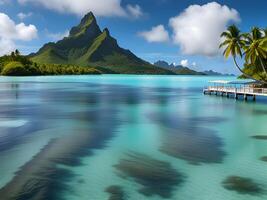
(129, 137)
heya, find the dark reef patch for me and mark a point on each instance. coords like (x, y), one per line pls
(259, 112)
(242, 185)
(260, 137)
(188, 140)
(264, 158)
(156, 177)
(116, 192)
(42, 178)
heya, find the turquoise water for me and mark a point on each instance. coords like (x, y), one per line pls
(129, 137)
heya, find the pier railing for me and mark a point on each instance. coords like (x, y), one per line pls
(243, 90)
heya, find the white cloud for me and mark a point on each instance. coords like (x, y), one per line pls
(22, 15)
(156, 34)
(57, 36)
(194, 64)
(6, 46)
(197, 29)
(11, 32)
(81, 7)
(134, 10)
(184, 63)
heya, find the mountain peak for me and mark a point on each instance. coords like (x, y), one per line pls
(87, 19)
(87, 22)
(87, 45)
(106, 31)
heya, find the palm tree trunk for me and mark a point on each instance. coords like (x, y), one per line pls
(263, 67)
(245, 74)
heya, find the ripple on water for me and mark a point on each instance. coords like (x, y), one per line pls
(242, 185)
(12, 123)
(156, 177)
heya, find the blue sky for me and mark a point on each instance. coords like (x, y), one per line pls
(131, 22)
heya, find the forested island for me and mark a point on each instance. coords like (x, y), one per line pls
(19, 65)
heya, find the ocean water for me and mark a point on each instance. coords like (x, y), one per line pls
(129, 137)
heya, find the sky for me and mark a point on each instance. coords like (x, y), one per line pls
(177, 31)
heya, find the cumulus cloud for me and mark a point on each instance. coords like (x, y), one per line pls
(184, 63)
(81, 7)
(6, 46)
(156, 34)
(134, 10)
(197, 29)
(11, 32)
(22, 15)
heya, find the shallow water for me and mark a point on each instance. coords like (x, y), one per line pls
(129, 137)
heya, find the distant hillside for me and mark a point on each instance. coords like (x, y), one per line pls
(164, 64)
(213, 73)
(177, 69)
(87, 45)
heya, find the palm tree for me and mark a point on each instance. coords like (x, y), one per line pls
(17, 53)
(234, 43)
(255, 48)
(13, 55)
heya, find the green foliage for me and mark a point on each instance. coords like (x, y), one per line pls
(233, 42)
(134, 70)
(53, 69)
(16, 57)
(15, 68)
(252, 46)
(17, 65)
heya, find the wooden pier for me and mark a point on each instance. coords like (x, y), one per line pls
(235, 89)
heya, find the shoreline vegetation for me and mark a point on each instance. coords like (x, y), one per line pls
(18, 65)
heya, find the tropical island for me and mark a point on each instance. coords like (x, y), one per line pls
(87, 50)
(133, 124)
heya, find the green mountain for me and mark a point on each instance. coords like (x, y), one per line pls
(87, 45)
